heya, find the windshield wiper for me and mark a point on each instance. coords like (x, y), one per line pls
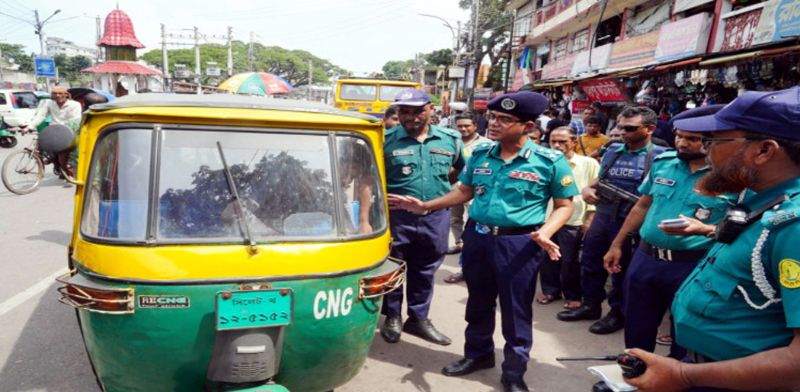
(248, 237)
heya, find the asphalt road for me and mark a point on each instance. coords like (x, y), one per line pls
(41, 347)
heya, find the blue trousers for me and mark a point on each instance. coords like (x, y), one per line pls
(504, 267)
(421, 241)
(650, 286)
(595, 245)
(564, 276)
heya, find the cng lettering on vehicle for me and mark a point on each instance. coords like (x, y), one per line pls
(333, 303)
(163, 301)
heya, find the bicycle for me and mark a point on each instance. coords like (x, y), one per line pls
(23, 170)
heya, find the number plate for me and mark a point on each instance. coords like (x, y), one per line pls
(254, 309)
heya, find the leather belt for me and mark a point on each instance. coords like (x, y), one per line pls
(684, 256)
(497, 230)
(697, 357)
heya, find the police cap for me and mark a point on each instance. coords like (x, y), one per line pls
(525, 105)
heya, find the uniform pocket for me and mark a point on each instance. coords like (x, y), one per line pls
(713, 298)
(519, 193)
(662, 191)
(402, 166)
(441, 164)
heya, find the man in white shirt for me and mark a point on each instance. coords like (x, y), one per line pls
(563, 277)
(63, 111)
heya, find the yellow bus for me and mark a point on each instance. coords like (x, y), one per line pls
(369, 96)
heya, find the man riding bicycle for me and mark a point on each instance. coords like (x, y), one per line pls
(64, 111)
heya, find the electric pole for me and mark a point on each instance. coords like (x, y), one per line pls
(476, 49)
(230, 51)
(197, 60)
(310, 79)
(164, 57)
(99, 34)
(251, 52)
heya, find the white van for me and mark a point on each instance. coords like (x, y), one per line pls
(17, 107)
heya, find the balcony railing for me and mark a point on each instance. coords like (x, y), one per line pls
(551, 10)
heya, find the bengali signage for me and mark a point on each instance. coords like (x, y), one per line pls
(779, 19)
(600, 57)
(740, 30)
(683, 38)
(604, 90)
(634, 51)
(560, 68)
(45, 66)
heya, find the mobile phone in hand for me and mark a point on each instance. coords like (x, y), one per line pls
(675, 223)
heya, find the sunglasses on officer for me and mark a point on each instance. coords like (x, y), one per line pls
(629, 128)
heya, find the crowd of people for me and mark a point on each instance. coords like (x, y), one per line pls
(699, 222)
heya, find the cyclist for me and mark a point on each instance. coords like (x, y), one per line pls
(64, 111)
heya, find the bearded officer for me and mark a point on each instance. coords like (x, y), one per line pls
(507, 237)
(663, 261)
(421, 161)
(738, 312)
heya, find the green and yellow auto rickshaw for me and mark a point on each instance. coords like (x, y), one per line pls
(228, 243)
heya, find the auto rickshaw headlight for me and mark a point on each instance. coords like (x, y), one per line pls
(82, 293)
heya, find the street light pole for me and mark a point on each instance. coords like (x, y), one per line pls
(456, 46)
(39, 25)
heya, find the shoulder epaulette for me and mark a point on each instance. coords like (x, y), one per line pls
(667, 155)
(548, 153)
(776, 219)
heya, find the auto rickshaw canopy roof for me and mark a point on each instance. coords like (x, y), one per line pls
(227, 101)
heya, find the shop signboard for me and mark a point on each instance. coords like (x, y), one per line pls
(740, 29)
(779, 19)
(579, 105)
(560, 68)
(604, 90)
(683, 5)
(600, 58)
(634, 51)
(683, 38)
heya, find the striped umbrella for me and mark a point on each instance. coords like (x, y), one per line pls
(256, 83)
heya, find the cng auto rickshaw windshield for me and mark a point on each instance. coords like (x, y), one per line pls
(294, 185)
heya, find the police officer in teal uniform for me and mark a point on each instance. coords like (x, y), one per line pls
(738, 312)
(507, 236)
(421, 160)
(663, 261)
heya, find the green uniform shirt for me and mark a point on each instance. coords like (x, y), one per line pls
(421, 169)
(671, 185)
(711, 313)
(515, 193)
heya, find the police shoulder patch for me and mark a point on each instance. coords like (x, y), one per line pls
(567, 180)
(789, 273)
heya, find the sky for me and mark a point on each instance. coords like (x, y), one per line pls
(358, 35)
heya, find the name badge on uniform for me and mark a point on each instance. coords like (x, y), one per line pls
(406, 170)
(482, 171)
(525, 176)
(702, 213)
(480, 190)
(441, 152)
(400, 153)
(664, 181)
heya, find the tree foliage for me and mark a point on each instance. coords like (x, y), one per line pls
(69, 68)
(291, 65)
(439, 57)
(17, 53)
(396, 69)
(494, 24)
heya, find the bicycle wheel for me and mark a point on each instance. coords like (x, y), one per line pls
(22, 172)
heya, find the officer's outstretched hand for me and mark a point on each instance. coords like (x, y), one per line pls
(408, 203)
(612, 258)
(663, 374)
(552, 249)
(695, 227)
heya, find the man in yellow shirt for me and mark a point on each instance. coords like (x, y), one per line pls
(593, 139)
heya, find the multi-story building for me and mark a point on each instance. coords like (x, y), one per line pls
(605, 50)
(57, 46)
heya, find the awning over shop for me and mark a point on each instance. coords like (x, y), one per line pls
(735, 57)
(121, 67)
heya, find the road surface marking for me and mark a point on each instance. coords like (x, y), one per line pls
(30, 292)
